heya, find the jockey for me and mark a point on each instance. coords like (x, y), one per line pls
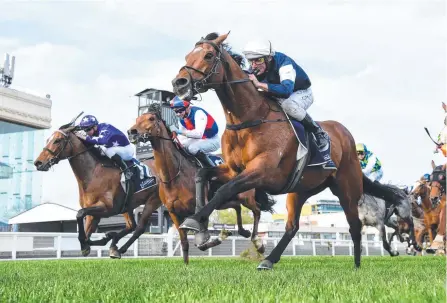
(197, 130)
(371, 166)
(279, 75)
(110, 140)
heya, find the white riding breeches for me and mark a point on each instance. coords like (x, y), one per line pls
(375, 176)
(205, 145)
(125, 152)
(297, 104)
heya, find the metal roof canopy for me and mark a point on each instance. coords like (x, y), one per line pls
(46, 212)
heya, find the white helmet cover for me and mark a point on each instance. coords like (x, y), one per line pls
(258, 49)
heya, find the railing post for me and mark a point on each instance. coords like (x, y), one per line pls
(381, 250)
(210, 252)
(350, 248)
(233, 242)
(170, 242)
(293, 246)
(14, 247)
(333, 248)
(366, 248)
(135, 248)
(59, 248)
(314, 250)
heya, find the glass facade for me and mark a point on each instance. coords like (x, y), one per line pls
(20, 183)
(326, 206)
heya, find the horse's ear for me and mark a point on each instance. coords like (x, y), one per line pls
(433, 165)
(221, 38)
(444, 107)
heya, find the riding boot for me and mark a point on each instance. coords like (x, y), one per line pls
(123, 166)
(204, 159)
(321, 137)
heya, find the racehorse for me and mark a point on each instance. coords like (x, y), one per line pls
(260, 149)
(374, 212)
(100, 192)
(438, 199)
(177, 187)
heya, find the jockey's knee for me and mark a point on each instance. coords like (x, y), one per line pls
(293, 109)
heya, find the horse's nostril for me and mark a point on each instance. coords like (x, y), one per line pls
(179, 82)
(37, 163)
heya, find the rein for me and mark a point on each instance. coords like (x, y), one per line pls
(56, 155)
(146, 137)
(197, 85)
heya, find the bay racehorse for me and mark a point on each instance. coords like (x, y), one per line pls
(260, 149)
(438, 199)
(177, 188)
(100, 192)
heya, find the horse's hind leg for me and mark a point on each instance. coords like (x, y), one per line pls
(385, 243)
(130, 226)
(349, 194)
(294, 205)
(149, 208)
(240, 228)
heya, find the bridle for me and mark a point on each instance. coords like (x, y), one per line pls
(57, 154)
(202, 84)
(438, 177)
(147, 136)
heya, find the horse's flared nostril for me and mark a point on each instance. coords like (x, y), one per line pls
(180, 82)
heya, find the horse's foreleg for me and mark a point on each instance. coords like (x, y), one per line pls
(149, 208)
(183, 238)
(97, 210)
(247, 180)
(386, 245)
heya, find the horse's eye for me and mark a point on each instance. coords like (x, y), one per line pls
(209, 56)
(57, 141)
(152, 119)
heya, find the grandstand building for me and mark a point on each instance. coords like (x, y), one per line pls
(24, 119)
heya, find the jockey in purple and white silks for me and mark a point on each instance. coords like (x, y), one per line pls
(280, 76)
(109, 139)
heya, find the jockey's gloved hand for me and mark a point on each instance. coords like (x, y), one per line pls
(174, 128)
(81, 135)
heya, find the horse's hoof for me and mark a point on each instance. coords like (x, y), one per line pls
(190, 224)
(86, 251)
(395, 254)
(265, 265)
(201, 238)
(244, 233)
(114, 253)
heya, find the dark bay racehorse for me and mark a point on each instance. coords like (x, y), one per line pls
(100, 192)
(177, 187)
(260, 149)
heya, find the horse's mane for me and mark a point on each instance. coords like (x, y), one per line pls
(238, 58)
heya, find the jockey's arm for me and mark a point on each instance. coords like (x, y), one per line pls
(371, 162)
(200, 119)
(287, 75)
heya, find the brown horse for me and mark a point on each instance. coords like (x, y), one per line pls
(177, 187)
(260, 149)
(438, 199)
(100, 192)
(431, 212)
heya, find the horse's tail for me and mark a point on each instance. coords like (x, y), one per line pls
(391, 194)
(264, 200)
